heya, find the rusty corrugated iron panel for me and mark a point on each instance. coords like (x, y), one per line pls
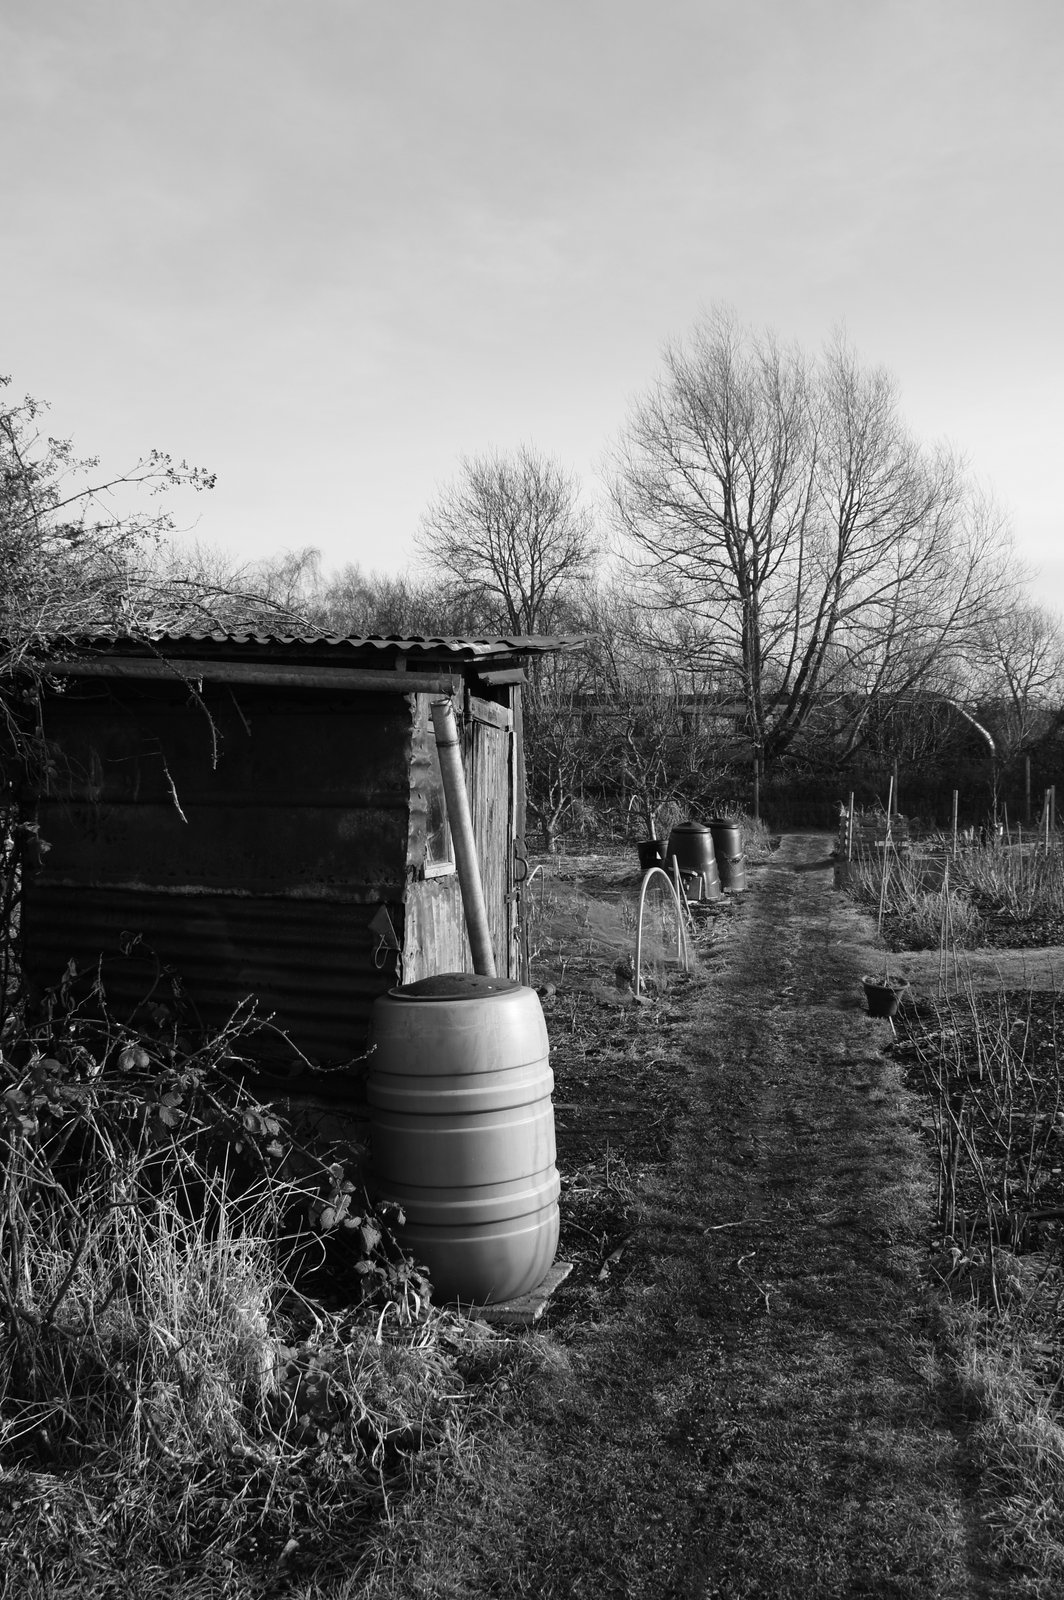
(250, 837)
(314, 964)
(278, 796)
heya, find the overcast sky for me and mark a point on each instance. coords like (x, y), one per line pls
(325, 247)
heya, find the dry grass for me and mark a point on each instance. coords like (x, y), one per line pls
(1022, 883)
(176, 1414)
(931, 898)
(915, 917)
(1016, 1438)
(989, 1066)
(181, 1411)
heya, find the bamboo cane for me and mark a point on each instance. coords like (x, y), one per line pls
(883, 876)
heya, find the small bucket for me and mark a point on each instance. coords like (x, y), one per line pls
(884, 995)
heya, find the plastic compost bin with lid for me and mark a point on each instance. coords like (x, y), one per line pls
(691, 847)
(728, 848)
(462, 1132)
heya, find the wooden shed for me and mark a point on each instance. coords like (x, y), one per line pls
(266, 816)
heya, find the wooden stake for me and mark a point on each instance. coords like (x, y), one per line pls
(849, 831)
(883, 879)
(955, 796)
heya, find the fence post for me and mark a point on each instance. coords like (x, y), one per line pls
(849, 831)
(955, 792)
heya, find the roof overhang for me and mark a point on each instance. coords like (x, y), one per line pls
(402, 665)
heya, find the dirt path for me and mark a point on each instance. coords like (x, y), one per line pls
(761, 1412)
(843, 1471)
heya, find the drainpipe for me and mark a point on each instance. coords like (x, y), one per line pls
(465, 851)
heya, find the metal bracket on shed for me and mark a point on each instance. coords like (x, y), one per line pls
(387, 939)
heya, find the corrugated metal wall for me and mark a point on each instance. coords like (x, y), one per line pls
(309, 963)
(250, 839)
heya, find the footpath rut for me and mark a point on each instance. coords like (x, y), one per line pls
(842, 1465)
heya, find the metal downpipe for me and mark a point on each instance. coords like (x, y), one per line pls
(449, 746)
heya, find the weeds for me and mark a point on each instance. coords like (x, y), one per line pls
(1020, 883)
(917, 916)
(989, 1068)
(172, 1396)
(932, 897)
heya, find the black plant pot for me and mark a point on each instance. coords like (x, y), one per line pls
(651, 853)
(884, 995)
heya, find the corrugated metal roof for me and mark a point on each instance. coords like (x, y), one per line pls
(346, 645)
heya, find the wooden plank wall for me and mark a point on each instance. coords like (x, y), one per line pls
(491, 800)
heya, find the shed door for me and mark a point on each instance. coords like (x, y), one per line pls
(492, 805)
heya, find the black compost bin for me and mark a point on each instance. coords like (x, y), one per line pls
(691, 848)
(728, 849)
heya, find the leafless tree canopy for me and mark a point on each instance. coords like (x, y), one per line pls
(817, 548)
(510, 532)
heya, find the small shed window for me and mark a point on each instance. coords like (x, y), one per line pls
(439, 851)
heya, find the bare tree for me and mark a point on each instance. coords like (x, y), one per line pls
(198, 585)
(510, 534)
(781, 505)
(185, 587)
(1018, 682)
(556, 745)
(397, 604)
(1022, 670)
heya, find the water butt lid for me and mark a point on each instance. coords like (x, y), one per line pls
(690, 827)
(454, 986)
